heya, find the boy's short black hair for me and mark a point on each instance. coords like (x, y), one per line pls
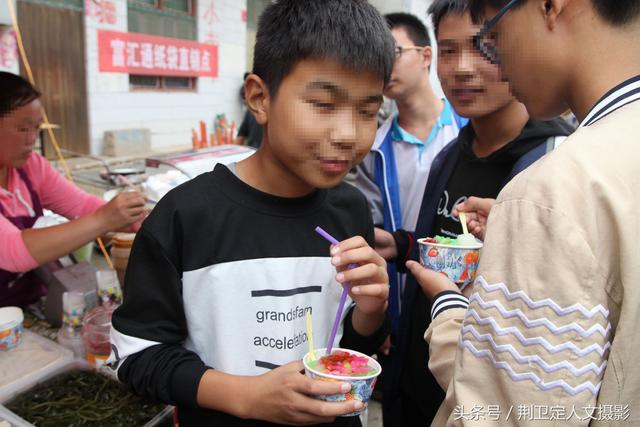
(615, 12)
(15, 92)
(351, 32)
(441, 8)
(414, 27)
(477, 8)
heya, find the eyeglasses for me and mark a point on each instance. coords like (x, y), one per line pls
(485, 40)
(400, 49)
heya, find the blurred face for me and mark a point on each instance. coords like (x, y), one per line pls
(533, 58)
(471, 83)
(411, 67)
(18, 134)
(322, 121)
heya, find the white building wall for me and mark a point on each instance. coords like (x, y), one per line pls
(169, 115)
(416, 7)
(419, 8)
(389, 6)
(5, 18)
(8, 44)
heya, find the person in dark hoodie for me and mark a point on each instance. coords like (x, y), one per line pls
(500, 141)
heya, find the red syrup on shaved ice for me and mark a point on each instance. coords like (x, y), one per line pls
(343, 364)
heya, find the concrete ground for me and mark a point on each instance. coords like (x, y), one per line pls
(375, 414)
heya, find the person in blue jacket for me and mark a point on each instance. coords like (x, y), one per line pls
(500, 141)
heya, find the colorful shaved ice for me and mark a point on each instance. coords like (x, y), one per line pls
(440, 240)
(343, 364)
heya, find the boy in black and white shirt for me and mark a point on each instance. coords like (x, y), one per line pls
(226, 267)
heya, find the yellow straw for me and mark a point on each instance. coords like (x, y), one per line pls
(310, 336)
(107, 258)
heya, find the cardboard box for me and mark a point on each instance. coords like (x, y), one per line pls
(127, 142)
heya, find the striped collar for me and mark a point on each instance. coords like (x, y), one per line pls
(399, 134)
(621, 95)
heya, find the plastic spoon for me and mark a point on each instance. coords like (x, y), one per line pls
(465, 238)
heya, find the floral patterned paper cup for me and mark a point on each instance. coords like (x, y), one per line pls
(10, 327)
(361, 386)
(458, 262)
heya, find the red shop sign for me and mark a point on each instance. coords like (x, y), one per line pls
(134, 53)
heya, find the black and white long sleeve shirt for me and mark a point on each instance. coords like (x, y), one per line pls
(221, 276)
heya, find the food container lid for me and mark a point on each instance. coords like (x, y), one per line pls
(35, 358)
(123, 240)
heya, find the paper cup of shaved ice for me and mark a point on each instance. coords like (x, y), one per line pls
(344, 366)
(455, 258)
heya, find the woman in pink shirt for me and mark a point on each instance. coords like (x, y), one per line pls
(28, 184)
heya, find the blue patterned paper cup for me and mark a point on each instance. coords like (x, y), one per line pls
(458, 262)
(361, 386)
(10, 327)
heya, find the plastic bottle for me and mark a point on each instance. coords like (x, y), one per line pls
(108, 287)
(73, 311)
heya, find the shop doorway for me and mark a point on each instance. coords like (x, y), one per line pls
(54, 39)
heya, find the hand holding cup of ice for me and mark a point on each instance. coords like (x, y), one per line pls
(456, 258)
(345, 366)
(340, 365)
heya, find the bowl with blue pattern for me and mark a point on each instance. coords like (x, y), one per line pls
(459, 262)
(362, 383)
(11, 328)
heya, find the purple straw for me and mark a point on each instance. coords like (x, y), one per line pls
(343, 298)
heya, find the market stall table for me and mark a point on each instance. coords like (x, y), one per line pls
(32, 380)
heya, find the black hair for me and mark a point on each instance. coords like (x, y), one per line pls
(15, 92)
(615, 12)
(414, 27)
(476, 7)
(352, 32)
(618, 12)
(441, 8)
